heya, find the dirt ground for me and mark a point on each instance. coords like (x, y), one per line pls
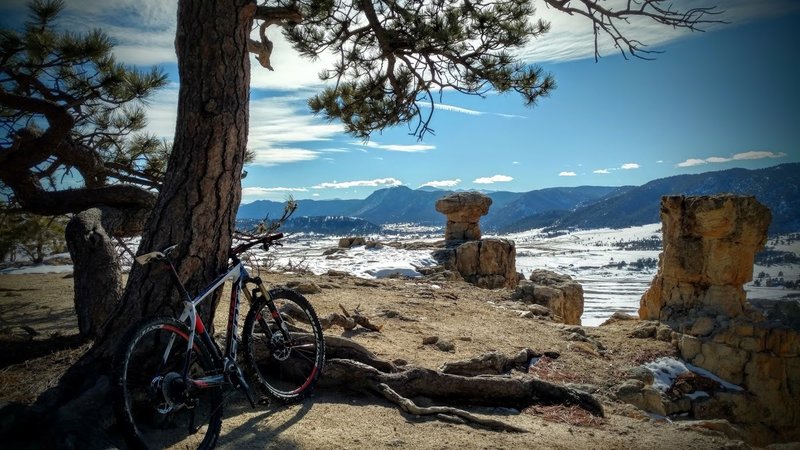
(474, 320)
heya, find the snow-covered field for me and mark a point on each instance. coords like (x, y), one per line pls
(593, 258)
(613, 278)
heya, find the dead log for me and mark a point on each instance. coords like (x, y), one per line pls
(491, 363)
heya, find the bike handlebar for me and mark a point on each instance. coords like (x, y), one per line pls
(266, 241)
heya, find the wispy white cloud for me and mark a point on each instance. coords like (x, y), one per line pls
(471, 112)
(379, 182)
(405, 148)
(162, 112)
(626, 166)
(255, 189)
(453, 108)
(751, 155)
(279, 127)
(717, 159)
(143, 31)
(281, 155)
(334, 150)
(757, 155)
(567, 174)
(493, 179)
(442, 183)
(571, 37)
(691, 162)
(263, 193)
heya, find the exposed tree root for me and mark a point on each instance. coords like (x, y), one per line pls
(363, 371)
(446, 413)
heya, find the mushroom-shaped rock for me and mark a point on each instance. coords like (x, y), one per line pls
(463, 211)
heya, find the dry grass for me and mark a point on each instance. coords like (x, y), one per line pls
(24, 382)
(649, 355)
(549, 369)
(570, 415)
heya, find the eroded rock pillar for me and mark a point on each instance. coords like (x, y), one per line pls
(709, 246)
(463, 211)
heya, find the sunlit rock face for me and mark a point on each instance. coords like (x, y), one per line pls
(487, 263)
(558, 292)
(463, 211)
(709, 246)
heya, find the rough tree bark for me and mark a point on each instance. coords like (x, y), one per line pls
(97, 273)
(196, 207)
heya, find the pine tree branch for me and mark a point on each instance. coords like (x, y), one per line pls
(605, 20)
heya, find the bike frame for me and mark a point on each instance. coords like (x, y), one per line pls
(226, 359)
(238, 276)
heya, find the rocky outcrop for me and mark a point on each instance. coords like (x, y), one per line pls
(709, 245)
(487, 263)
(560, 293)
(463, 211)
(348, 242)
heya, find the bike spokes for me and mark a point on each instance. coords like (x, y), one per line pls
(159, 407)
(283, 344)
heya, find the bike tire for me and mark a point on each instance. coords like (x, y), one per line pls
(150, 404)
(285, 372)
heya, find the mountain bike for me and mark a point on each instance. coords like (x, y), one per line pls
(170, 373)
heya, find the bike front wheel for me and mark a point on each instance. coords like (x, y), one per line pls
(284, 349)
(156, 407)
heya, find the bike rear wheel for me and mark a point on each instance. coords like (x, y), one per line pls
(155, 407)
(285, 369)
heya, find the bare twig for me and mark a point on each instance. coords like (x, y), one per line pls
(607, 19)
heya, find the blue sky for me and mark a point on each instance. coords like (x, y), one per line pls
(725, 98)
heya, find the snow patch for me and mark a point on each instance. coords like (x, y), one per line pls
(667, 370)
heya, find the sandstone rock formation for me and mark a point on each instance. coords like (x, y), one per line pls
(463, 211)
(709, 245)
(560, 293)
(487, 263)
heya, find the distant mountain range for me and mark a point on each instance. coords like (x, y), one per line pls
(587, 207)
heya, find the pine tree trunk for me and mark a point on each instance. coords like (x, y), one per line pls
(196, 209)
(97, 270)
(197, 204)
(97, 275)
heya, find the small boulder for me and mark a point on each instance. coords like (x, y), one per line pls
(304, 287)
(559, 293)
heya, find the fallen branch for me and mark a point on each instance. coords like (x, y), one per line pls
(348, 321)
